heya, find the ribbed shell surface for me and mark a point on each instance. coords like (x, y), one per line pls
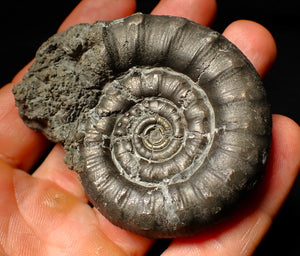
(165, 120)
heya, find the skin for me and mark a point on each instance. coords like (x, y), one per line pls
(47, 213)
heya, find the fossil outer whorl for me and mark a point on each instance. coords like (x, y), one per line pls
(165, 120)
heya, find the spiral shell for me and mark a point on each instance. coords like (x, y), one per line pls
(165, 120)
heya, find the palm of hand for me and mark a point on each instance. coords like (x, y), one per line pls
(47, 213)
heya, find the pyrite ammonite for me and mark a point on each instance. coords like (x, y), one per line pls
(165, 121)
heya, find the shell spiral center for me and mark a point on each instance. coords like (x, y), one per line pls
(158, 123)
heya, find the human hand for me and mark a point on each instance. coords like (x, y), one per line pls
(47, 213)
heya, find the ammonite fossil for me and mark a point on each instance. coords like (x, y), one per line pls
(165, 120)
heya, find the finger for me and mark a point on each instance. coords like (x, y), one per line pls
(20, 146)
(19, 76)
(255, 42)
(89, 11)
(283, 164)
(131, 243)
(242, 232)
(201, 11)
